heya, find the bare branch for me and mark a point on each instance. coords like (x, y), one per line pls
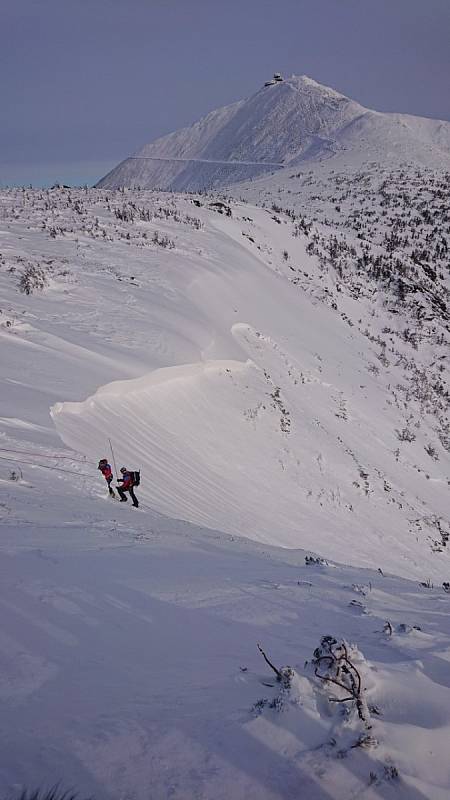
(276, 671)
(339, 663)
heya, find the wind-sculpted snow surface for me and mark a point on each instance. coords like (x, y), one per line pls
(267, 415)
(273, 384)
(129, 665)
(253, 447)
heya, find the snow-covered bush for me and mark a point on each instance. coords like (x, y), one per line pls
(33, 279)
(163, 241)
(431, 452)
(332, 678)
(335, 665)
(315, 561)
(405, 435)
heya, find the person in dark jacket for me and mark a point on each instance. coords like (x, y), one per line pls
(106, 471)
(127, 482)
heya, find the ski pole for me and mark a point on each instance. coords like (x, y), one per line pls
(114, 460)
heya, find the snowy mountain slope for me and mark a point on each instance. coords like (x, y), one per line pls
(258, 387)
(269, 418)
(384, 233)
(129, 663)
(293, 122)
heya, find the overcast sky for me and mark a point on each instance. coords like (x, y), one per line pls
(84, 83)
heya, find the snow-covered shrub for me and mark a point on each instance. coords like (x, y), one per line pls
(315, 561)
(405, 435)
(302, 227)
(163, 241)
(194, 222)
(337, 666)
(125, 214)
(329, 695)
(431, 452)
(334, 664)
(33, 279)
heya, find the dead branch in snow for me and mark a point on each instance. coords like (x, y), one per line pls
(333, 665)
(277, 672)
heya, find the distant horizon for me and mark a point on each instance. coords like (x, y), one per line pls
(86, 85)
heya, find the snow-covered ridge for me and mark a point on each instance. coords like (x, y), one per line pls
(291, 122)
(273, 376)
(286, 404)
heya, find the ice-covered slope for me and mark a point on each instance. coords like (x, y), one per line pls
(288, 123)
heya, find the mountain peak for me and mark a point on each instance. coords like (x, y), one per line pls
(304, 82)
(287, 121)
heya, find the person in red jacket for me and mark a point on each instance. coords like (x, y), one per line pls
(127, 481)
(106, 471)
